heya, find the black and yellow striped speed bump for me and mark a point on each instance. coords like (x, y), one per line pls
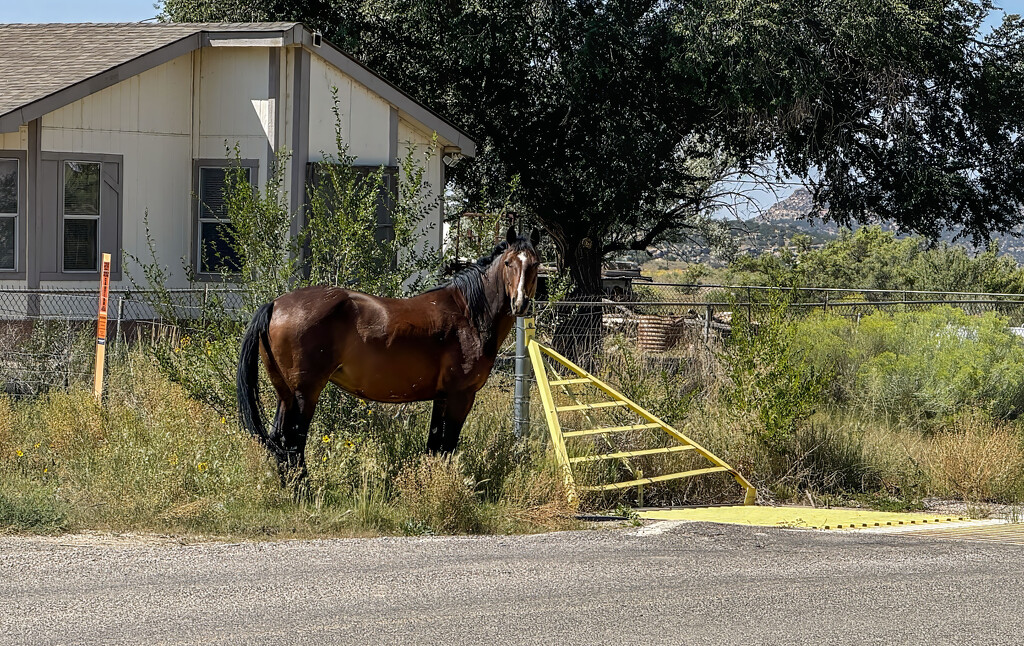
(984, 531)
(800, 517)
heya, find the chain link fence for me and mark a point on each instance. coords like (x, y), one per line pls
(657, 317)
(47, 336)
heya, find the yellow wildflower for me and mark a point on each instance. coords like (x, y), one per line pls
(327, 439)
(20, 453)
(202, 466)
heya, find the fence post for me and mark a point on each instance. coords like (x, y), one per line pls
(521, 421)
(707, 322)
(206, 300)
(117, 322)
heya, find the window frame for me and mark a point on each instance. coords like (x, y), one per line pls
(20, 229)
(253, 167)
(51, 231)
(64, 217)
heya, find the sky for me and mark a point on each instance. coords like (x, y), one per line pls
(78, 11)
(134, 10)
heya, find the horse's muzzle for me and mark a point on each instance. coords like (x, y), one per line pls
(523, 307)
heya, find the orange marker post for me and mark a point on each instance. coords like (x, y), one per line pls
(101, 328)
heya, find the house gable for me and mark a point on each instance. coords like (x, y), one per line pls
(93, 57)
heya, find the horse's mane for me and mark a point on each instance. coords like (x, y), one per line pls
(469, 279)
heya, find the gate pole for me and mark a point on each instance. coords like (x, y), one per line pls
(521, 423)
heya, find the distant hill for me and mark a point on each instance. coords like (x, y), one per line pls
(774, 229)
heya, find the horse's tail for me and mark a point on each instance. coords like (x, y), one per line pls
(248, 378)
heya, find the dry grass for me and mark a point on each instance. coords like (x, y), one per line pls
(975, 459)
(436, 494)
(152, 459)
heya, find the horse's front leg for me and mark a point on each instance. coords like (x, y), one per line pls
(435, 436)
(446, 421)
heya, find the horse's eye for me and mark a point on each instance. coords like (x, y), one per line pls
(508, 263)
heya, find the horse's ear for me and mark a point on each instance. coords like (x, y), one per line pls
(511, 236)
(535, 238)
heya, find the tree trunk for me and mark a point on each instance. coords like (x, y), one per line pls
(577, 333)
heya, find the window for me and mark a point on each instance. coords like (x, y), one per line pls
(385, 200)
(214, 251)
(81, 216)
(10, 202)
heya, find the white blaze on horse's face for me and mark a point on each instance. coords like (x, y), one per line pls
(522, 278)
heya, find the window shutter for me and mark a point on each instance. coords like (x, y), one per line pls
(49, 227)
(386, 205)
(110, 216)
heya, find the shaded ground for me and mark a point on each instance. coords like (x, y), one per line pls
(667, 583)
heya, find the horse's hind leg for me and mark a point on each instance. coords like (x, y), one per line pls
(295, 409)
(296, 419)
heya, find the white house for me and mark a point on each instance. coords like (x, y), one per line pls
(100, 123)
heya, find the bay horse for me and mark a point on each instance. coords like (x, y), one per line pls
(439, 345)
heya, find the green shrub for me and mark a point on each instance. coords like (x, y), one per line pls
(32, 509)
(770, 376)
(918, 365)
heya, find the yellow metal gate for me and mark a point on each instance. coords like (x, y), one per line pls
(547, 378)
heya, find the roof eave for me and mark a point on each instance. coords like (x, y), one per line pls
(12, 120)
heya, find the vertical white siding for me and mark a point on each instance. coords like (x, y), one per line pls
(14, 140)
(154, 123)
(147, 120)
(413, 139)
(197, 106)
(234, 103)
(365, 117)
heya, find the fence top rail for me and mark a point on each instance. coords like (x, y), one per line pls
(654, 304)
(842, 290)
(127, 291)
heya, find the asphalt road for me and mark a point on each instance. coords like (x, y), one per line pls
(667, 584)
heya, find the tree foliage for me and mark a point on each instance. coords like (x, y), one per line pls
(621, 117)
(871, 258)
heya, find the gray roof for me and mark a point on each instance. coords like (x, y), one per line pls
(43, 67)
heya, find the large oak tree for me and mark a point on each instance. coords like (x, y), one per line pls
(621, 117)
